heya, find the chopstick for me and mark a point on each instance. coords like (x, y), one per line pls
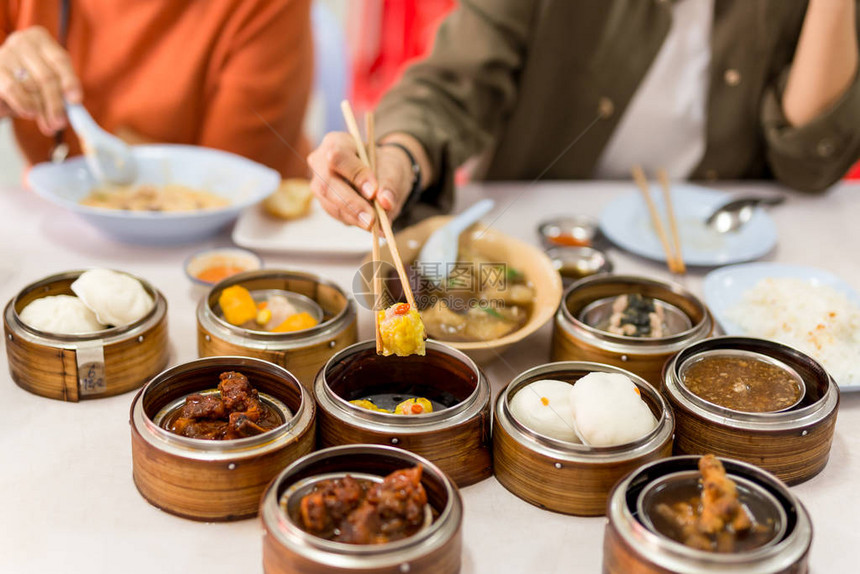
(370, 130)
(642, 182)
(663, 178)
(381, 215)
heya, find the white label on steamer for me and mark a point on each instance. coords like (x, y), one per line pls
(91, 368)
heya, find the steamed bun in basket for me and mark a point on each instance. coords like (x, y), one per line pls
(116, 298)
(609, 410)
(60, 314)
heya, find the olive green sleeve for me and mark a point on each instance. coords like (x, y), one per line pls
(814, 156)
(455, 101)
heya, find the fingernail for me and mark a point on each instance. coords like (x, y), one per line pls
(365, 219)
(387, 197)
(367, 189)
(74, 96)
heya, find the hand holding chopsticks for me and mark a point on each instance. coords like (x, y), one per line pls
(674, 258)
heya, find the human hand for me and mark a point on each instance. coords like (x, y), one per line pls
(344, 186)
(36, 75)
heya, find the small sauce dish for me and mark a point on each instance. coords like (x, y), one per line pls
(570, 231)
(574, 263)
(211, 266)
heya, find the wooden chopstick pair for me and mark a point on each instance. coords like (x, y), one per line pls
(368, 157)
(674, 256)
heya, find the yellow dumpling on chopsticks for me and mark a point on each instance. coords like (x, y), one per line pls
(401, 331)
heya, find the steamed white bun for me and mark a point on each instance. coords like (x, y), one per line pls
(60, 314)
(544, 407)
(608, 410)
(116, 298)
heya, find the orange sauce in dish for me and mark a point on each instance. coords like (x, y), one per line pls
(216, 273)
(568, 241)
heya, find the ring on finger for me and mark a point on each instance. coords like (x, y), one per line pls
(21, 75)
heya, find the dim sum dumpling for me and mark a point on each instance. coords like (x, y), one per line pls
(609, 410)
(116, 298)
(60, 314)
(544, 407)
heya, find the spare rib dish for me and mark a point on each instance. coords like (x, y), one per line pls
(234, 412)
(358, 511)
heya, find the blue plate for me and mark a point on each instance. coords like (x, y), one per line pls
(627, 223)
(724, 288)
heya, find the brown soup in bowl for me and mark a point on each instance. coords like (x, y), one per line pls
(743, 381)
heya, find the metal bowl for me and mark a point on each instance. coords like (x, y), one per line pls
(277, 405)
(292, 496)
(631, 546)
(335, 309)
(203, 260)
(793, 444)
(570, 231)
(564, 476)
(574, 263)
(167, 391)
(693, 360)
(598, 313)
(820, 395)
(434, 548)
(760, 504)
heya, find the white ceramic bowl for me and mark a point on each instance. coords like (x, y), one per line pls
(238, 179)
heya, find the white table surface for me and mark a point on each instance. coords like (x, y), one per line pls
(68, 501)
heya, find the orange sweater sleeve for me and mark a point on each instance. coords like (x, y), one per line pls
(261, 81)
(5, 20)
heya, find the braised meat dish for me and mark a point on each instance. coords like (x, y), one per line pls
(234, 412)
(358, 511)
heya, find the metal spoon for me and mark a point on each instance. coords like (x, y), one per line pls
(441, 247)
(736, 213)
(108, 157)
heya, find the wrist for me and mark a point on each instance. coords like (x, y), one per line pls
(416, 150)
(412, 168)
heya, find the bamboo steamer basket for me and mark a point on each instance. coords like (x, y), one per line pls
(563, 476)
(215, 480)
(794, 444)
(457, 438)
(434, 550)
(575, 340)
(90, 366)
(301, 352)
(629, 547)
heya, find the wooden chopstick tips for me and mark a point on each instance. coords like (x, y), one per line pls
(674, 258)
(663, 178)
(375, 266)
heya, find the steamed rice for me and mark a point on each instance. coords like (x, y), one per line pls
(815, 319)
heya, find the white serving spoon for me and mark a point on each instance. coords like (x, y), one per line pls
(442, 245)
(108, 157)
